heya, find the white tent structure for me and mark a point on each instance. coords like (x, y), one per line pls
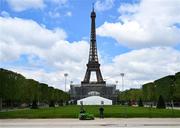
(94, 100)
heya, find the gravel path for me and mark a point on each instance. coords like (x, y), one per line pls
(97, 123)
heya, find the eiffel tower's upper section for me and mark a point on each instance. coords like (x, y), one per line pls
(93, 57)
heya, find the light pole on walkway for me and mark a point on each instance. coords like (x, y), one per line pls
(65, 75)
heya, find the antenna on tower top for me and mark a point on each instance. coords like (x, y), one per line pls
(93, 6)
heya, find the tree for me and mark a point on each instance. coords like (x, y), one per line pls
(131, 94)
(176, 88)
(164, 87)
(34, 105)
(51, 96)
(149, 93)
(140, 103)
(129, 103)
(1, 88)
(43, 97)
(15, 89)
(161, 103)
(51, 103)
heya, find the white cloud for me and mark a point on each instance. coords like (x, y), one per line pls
(31, 34)
(103, 5)
(18, 5)
(44, 48)
(60, 2)
(55, 78)
(63, 57)
(144, 65)
(5, 14)
(128, 8)
(69, 13)
(149, 23)
(54, 14)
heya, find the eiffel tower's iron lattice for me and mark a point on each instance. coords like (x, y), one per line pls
(93, 63)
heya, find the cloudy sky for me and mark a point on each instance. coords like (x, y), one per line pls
(43, 39)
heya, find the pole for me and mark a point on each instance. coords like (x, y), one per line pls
(122, 76)
(65, 84)
(65, 75)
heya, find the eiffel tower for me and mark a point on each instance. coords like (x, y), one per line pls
(89, 88)
(93, 63)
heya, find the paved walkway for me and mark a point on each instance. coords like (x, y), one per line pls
(97, 123)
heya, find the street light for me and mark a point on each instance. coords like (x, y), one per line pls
(65, 75)
(122, 76)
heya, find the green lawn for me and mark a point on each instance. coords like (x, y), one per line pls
(114, 111)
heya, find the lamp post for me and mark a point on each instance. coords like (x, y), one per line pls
(65, 75)
(122, 77)
(117, 99)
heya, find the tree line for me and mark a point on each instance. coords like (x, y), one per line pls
(16, 90)
(167, 87)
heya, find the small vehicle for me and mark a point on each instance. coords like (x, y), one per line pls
(86, 116)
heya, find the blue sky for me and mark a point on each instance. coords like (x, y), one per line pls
(43, 39)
